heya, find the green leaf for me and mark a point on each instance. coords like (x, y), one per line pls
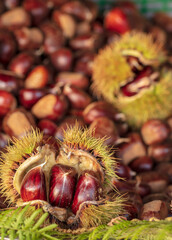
(28, 223)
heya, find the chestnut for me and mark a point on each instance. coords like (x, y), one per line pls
(37, 78)
(88, 188)
(11, 122)
(7, 102)
(8, 46)
(62, 184)
(53, 37)
(154, 131)
(132, 149)
(62, 59)
(100, 109)
(11, 19)
(22, 63)
(105, 127)
(78, 98)
(28, 97)
(77, 79)
(33, 185)
(161, 152)
(141, 164)
(9, 4)
(9, 81)
(37, 8)
(66, 23)
(157, 209)
(29, 38)
(47, 126)
(50, 106)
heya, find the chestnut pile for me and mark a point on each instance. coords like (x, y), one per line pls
(47, 49)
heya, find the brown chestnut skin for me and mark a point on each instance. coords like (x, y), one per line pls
(132, 149)
(62, 59)
(104, 126)
(22, 63)
(7, 102)
(8, 46)
(73, 78)
(100, 109)
(156, 208)
(84, 63)
(141, 164)
(51, 106)
(9, 82)
(29, 38)
(47, 126)
(62, 185)
(156, 180)
(28, 97)
(123, 171)
(33, 185)
(53, 37)
(88, 189)
(154, 131)
(78, 98)
(161, 152)
(37, 8)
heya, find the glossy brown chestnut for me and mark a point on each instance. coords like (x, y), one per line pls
(83, 11)
(33, 185)
(161, 152)
(104, 126)
(123, 171)
(88, 189)
(9, 82)
(73, 78)
(154, 131)
(51, 106)
(37, 8)
(8, 46)
(28, 97)
(47, 126)
(84, 63)
(62, 185)
(22, 63)
(7, 102)
(53, 37)
(142, 164)
(78, 98)
(62, 59)
(29, 38)
(100, 109)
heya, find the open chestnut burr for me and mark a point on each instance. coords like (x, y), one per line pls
(69, 179)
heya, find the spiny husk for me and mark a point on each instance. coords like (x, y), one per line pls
(12, 158)
(110, 67)
(95, 215)
(144, 44)
(82, 138)
(110, 71)
(152, 103)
